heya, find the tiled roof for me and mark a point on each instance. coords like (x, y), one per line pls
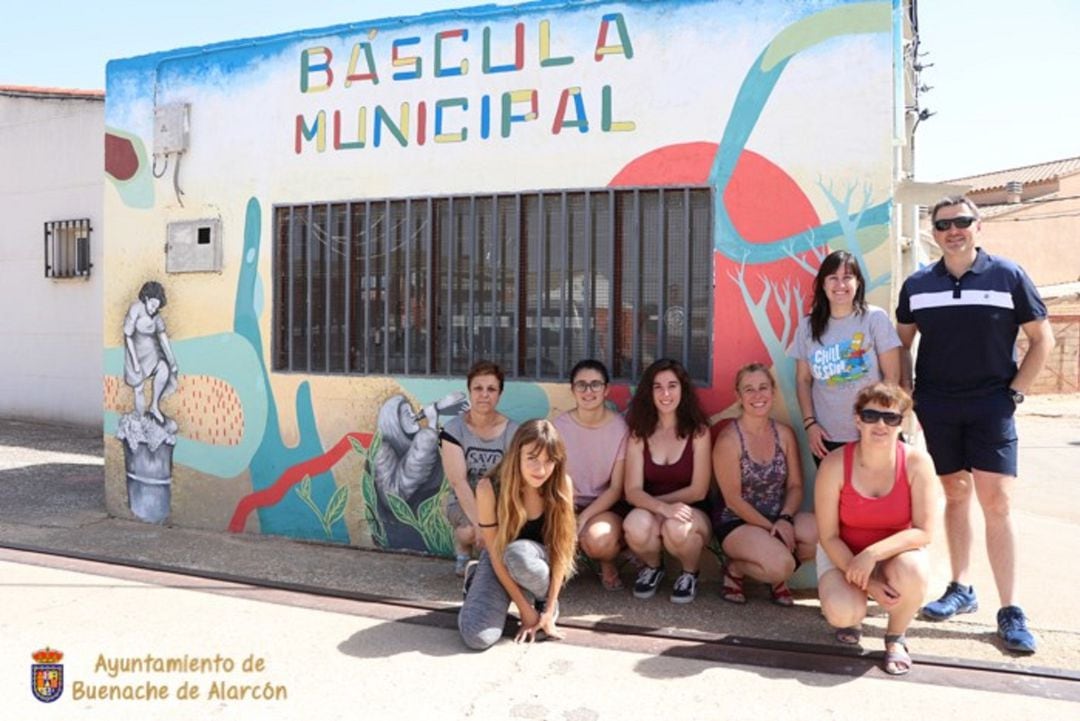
(1026, 174)
(21, 91)
(989, 211)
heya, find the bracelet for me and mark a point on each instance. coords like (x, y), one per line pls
(786, 517)
(810, 425)
(809, 418)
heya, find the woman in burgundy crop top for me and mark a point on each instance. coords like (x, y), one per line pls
(667, 478)
(874, 501)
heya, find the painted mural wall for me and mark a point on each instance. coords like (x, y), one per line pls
(784, 108)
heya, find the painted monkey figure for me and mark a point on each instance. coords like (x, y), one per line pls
(407, 463)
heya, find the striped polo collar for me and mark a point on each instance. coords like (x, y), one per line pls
(981, 264)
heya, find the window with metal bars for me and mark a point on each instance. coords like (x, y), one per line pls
(67, 248)
(532, 281)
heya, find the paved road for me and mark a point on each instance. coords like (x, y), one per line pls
(337, 660)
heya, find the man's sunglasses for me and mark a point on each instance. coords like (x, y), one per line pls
(962, 222)
(870, 417)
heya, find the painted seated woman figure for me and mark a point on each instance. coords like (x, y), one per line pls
(874, 502)
(470, 446)
(667, 479)
(525, 510)
(756, 462)
(595, 439)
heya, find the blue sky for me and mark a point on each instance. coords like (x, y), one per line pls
(1003, 75)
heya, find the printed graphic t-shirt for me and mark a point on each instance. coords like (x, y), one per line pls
(843, 363)
(481, 455)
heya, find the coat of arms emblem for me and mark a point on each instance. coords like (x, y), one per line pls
(47, 675)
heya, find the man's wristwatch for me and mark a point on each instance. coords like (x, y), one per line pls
(1017, 396)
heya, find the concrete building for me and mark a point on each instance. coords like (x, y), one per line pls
(342, 220)
(51, 186)
(1032, 214)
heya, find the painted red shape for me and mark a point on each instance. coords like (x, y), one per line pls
(764, 205)
(121, 160)
(274, 493)
(682, 164)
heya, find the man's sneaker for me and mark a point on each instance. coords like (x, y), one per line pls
(685, 588)
(1013, 630)
(469, 572)
(957, 599)
(648, 579)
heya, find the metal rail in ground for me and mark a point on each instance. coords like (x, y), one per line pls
(1039, 682)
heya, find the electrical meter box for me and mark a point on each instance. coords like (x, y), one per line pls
(172, 124)
(193, 246)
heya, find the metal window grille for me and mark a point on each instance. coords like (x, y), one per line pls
(67, 248)
(534, 281)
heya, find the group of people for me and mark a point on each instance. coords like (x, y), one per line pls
(529, 497)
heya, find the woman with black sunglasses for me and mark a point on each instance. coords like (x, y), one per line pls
(874, 503)
(840, 347)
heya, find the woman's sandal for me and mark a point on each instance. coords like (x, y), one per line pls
(610, 581)
(733, 588)
(781, 595)
(849, 635)
(897, 661)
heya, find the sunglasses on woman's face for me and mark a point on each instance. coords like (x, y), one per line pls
(870, 417)
(594, 386)
(962, 222)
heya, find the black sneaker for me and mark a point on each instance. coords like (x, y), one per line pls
(648, 579)
(685, 589)
(469, 573)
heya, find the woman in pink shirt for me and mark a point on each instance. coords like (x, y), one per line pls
(874, 502)
(595, 439)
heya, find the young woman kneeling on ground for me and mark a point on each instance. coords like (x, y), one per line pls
(525, 511)
(874, 502)
(756, 462)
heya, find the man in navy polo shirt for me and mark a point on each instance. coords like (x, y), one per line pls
(969, 307)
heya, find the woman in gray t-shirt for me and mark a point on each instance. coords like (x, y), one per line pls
(471, 445)
(841, 347)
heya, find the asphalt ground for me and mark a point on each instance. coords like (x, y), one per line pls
(52, 500)
(237, 652)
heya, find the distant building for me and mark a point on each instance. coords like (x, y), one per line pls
(1032, 215)
(51, 187)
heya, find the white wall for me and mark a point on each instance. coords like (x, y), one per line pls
(51, 168)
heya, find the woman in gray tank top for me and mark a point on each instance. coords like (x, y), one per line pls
(471, 445)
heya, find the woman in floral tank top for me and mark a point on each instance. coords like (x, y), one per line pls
(756, 462)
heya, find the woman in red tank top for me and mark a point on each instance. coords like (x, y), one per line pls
(874, 502)
(667, 479)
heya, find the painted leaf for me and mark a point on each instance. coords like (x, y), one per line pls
(428, 509)
(304, 489)
(335, 509)
(401, 509)
(375, 528)
(358, 446)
